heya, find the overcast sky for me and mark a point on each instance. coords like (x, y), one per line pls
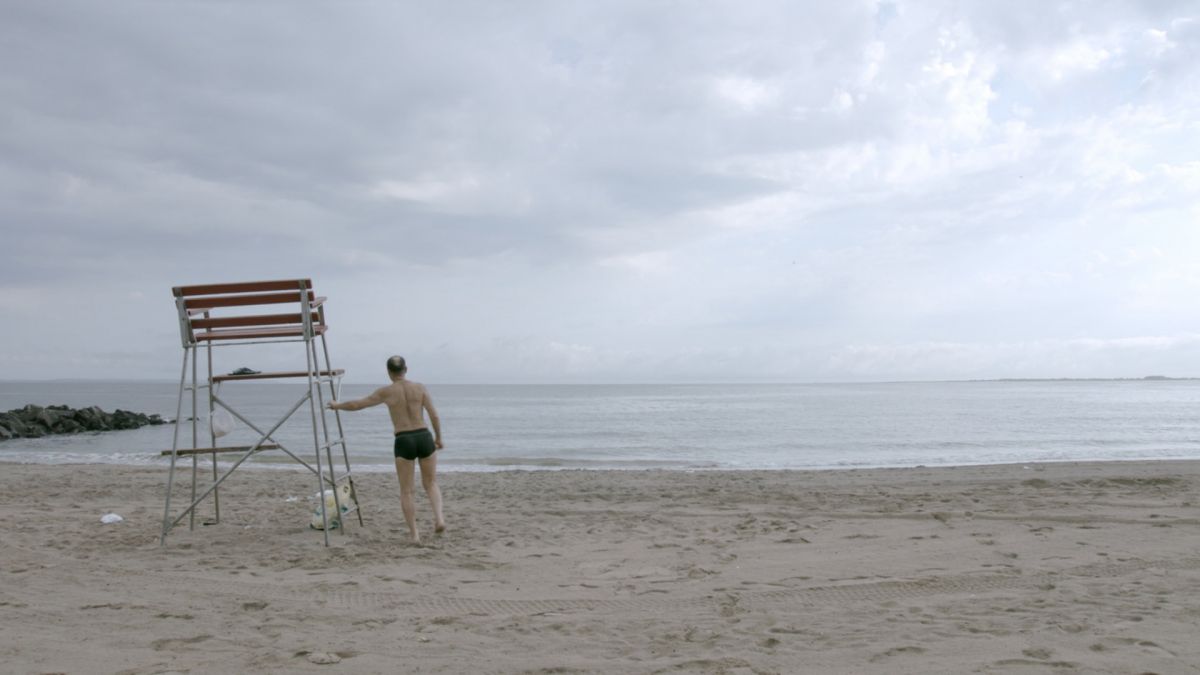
(612, 191)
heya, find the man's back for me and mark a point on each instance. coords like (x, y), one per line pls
(404, 400)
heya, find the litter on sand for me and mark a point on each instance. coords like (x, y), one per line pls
(110, 518)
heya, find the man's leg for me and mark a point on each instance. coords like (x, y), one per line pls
(404, 471)
(429, 481)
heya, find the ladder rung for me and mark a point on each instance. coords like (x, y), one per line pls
(330, 444)
(338, 479)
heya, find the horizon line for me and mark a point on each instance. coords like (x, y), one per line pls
(1144, 378)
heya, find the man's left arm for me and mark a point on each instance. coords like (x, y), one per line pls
(375, 398)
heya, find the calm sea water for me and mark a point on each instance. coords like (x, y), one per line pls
(498, 427)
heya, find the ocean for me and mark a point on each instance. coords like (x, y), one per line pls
(695, 427)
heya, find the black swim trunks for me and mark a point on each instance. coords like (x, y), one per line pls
(415, 444)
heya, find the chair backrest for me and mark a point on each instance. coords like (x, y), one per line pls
(236, 311)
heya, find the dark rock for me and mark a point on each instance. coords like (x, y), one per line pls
(14, 424)
(90, 418)
(33, 421)
(47, 418)
(123, 419)
(66, 425)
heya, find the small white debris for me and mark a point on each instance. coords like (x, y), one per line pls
(292, 499)
(110, 518)
(323, 658)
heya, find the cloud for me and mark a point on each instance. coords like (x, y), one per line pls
(612, 191)
(744, 92)
(1076, 57)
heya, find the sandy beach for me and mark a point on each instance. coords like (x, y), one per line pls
(1081, 567)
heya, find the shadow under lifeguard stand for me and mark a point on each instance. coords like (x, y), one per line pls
(216, 315)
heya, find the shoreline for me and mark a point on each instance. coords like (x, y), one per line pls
(919, 569)
(1040, 465)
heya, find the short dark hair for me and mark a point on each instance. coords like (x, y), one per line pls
(396, 365)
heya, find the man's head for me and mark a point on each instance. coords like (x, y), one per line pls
(396, 366)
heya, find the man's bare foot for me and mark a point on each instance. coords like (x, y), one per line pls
(440, 528)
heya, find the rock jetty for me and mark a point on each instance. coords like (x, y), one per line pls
(35, 421)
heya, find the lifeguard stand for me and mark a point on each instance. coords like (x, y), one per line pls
(301, 321)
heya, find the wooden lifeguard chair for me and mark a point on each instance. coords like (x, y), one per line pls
(216, 315)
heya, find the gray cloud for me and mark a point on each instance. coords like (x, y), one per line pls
(610, 191)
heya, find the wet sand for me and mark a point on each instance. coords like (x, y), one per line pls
(1081, 567)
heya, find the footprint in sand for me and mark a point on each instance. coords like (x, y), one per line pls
(898, 651)
(1145, 646)
(174, 643)
(1068, 665)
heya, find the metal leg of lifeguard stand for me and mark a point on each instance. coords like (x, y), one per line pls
(174, 451)
(313, 413)
(195, 434)
(337, 499)
(319, 406)
(341, 434)
(212, 434)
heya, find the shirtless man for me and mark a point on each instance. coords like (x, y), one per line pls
(405, 400)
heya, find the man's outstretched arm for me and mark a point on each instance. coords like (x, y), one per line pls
(358, 404)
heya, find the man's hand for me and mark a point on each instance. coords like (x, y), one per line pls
(332, 405)
(438, 444)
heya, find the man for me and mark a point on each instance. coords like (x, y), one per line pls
(413, 443)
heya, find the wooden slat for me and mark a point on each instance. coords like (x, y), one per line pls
(256, 333)
(242, 287)
(316, 303)
(253, 320)
(210, 301)
(228, 448)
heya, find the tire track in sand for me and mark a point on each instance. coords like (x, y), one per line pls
(323, 594)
